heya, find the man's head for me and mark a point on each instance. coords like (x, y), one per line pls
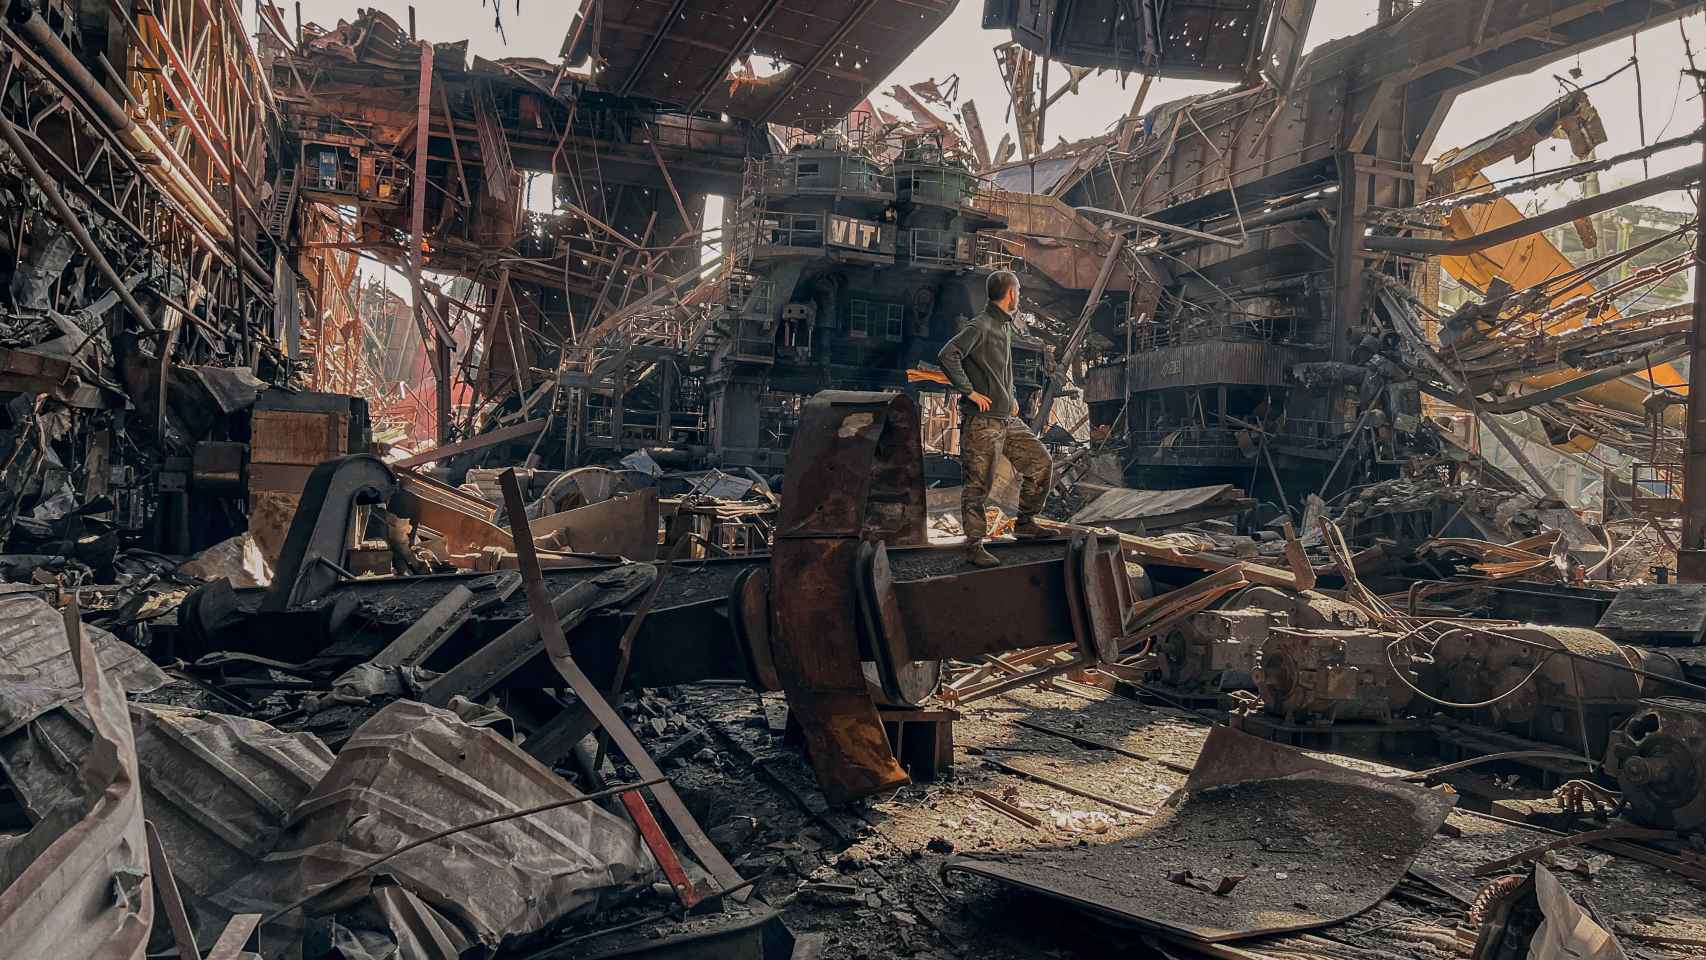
(1003, 289)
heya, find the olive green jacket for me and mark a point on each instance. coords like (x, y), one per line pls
(979, 357)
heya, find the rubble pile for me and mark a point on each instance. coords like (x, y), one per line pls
(610, 594)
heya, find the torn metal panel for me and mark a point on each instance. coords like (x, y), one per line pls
(217, 788)
(855, 471)
(38, 673)
(828, 54)
(77, 884)
(624, 526)
(413, 770)
(1317, 843)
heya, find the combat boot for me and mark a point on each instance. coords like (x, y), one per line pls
(977, 556)
(1029, 529)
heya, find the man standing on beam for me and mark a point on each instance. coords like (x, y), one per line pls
(979, 363)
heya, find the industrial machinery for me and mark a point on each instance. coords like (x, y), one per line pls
(1523, 685)
(1659, 759)
(850, 615)
(859, 258)
(1326, 676)
(1213, 651)
(1221, 649)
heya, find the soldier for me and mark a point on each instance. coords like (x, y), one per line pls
(979, 363)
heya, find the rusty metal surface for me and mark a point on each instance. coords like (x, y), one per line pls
(77, 885)
(855, 473)
(969, 612)
(413, 770)
(1316, 843)
(625, 525)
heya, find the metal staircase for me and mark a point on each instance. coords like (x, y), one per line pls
(283, 203)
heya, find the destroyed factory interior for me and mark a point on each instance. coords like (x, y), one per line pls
(852, 479)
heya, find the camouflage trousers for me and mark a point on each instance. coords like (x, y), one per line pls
(984, 440)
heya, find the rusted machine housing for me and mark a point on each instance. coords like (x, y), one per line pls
(1328, 676)
(841, 633)
(1659, 759)
(1568, 700)
(1214, 650)
(1220, 649)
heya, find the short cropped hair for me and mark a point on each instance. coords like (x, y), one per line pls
(999, 283)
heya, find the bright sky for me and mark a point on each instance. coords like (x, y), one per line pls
(1667, 102)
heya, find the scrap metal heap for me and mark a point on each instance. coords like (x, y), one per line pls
(301, 659)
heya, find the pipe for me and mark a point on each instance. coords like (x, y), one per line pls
(68, 218)
(1556, 391)
(1675, 180)
(1162, 226)
(33, 28)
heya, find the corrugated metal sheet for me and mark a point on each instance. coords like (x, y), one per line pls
(1104, 383)
(1211, 363)
(413, 770)
(217, 788)
(37, 672)
(77, 884)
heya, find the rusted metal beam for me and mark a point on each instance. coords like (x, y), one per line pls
(196, 98)
(1691, 558)
(455, 145)
(489, 439)
(417, 215)
(669, 181)
(724, 879)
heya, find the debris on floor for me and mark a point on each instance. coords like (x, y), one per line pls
(508, 496)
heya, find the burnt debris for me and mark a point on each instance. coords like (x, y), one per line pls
(394, 564)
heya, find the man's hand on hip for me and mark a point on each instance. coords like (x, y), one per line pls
(981, 400)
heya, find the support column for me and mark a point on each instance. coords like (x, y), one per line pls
(1691, 559)
(437, 353)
